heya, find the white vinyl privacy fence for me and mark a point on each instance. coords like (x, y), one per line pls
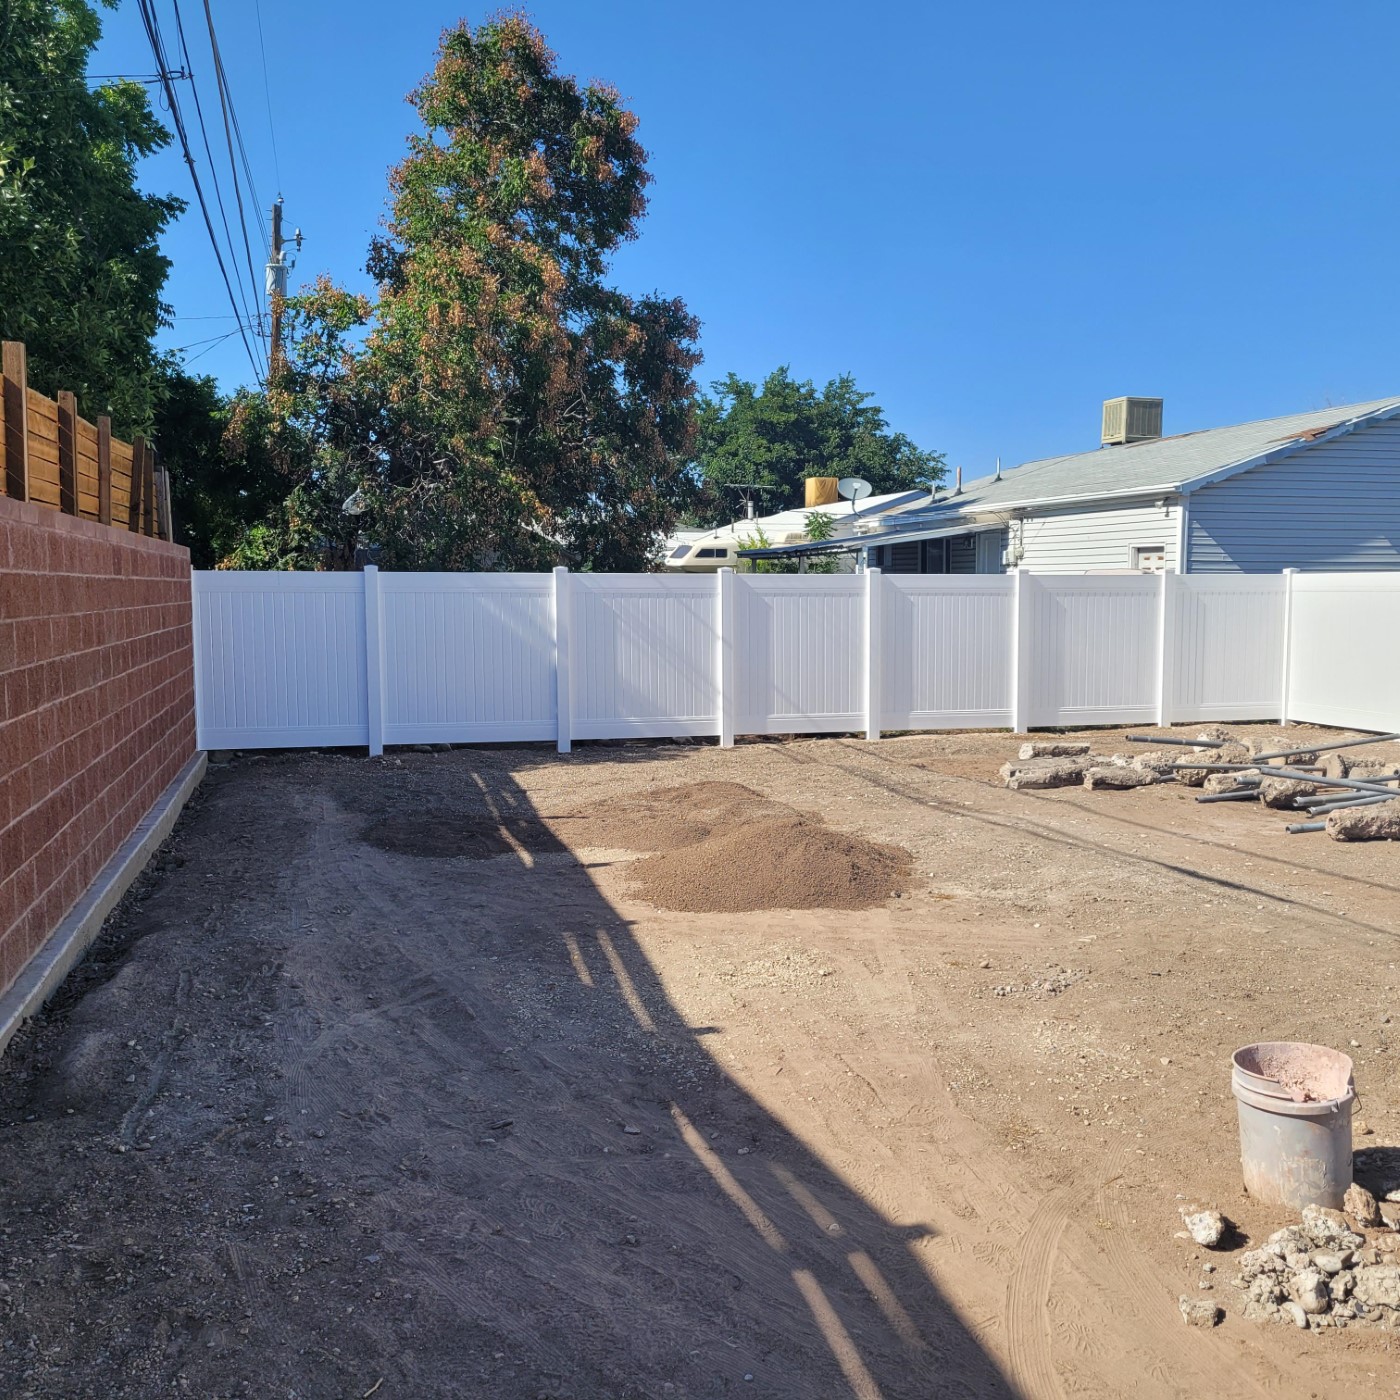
(303, 659)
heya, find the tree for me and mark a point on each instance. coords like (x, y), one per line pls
(785, 431)
(508, 409)
(81, 271)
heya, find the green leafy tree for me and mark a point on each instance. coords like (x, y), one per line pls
(81, 271)
(786, 430)
(507, 408)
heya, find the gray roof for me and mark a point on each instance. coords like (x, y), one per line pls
(1168, 464)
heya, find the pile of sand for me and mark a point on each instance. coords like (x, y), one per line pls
(665, 819)
(772, 863)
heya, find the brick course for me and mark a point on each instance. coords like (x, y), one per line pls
(96, 706)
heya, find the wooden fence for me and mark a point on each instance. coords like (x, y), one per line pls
(52, 456)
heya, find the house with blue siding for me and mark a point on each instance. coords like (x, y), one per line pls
(1316, 491)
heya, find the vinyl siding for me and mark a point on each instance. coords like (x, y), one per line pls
(1072, 540)
(1334, 507)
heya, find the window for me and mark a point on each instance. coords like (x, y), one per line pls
(680, 552)
(711, 553)
(1150, 558)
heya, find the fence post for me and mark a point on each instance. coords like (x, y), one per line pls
(104, 470)
(563, 691)
(724, 655)
(1288, 575)
(1020, 651)
(873, 666)
(374, 658)
(1166, 643)
(16, 379)
(67, 452)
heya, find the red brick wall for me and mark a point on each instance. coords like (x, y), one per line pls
(96, 706)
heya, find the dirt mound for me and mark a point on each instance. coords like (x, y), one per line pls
(778, 863)
(448, 835)
(665, 819)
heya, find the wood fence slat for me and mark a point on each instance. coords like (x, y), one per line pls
(138, 480)
(104, 470)
(67, 425)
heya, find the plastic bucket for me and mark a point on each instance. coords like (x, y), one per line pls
(1295, 1103)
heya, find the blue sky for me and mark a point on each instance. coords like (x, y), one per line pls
(994, 215)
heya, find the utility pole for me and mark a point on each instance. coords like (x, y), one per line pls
(279, 263)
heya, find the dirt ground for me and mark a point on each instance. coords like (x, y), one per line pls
(381, 1083)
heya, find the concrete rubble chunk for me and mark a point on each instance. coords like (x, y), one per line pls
(1200, 1312)
(1155, 761)
(1327, 1227)
(1044, 773)
(1378, 1286)
(1363, 768)
(1227, 782)
(1280, 792)
(1311, 1291)
(1054, 748)
(1214, 734)
(1378, 823)
(1206, 1227)
(1361, 1205)
(1294, 1313)
(1113, 775)
(1227, 753)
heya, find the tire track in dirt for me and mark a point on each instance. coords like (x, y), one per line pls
(1028, 1333)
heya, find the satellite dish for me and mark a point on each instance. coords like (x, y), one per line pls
(853, 489)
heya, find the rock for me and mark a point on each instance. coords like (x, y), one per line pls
(1226, 782)
(1330, 1261)
(1294, 1313)
(1195, 777)
(1386, 1242)
(1260, 1312)
(1363, 768)
(1359, 1126)
(1053, 748)
(1324, 1226)
(1311, 1292)
(1206, 1227)
(1378, 1169)
(1156, 762)
(1360, 1204)
(1334, 765)
(1390, 1214)
(1200, 1312)
(1378, 823)
(1044, 773)
(1215, 734)
(1113, 776)
(1378, 1286)
(1280, 792)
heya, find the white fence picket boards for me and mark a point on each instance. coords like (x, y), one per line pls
(302, 659)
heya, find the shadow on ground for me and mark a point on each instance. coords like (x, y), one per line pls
(327, 1116)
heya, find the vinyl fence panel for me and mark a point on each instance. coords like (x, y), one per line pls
(1226, 646)
(1094, 648)
(1343, 664)
(643, 656)
(801, 649)
(468, 658)
(946, 653)
(279, 660)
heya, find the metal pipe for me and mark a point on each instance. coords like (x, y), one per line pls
(1302, 777)
(1182, 743)
(1327, 748)
(1295, 827)
(1239, 795)
(1326, 807)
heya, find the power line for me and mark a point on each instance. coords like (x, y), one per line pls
(251, 315)
(151, 23)
(267, 94)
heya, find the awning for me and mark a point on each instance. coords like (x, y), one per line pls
(852, 544)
